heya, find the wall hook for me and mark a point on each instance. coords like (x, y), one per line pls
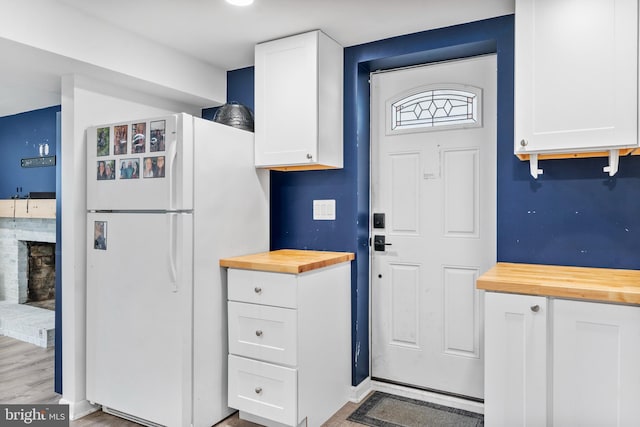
(614, 160)
(533, 166)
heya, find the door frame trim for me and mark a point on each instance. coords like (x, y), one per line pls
(372, 230)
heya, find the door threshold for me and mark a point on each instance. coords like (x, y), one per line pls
(433, 396)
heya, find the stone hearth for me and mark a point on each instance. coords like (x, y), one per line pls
(18, 320)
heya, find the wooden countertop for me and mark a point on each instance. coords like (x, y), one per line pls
(287, 260)
(28, 208)
(595, 284)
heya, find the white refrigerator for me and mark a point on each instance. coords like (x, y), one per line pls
(166, 199)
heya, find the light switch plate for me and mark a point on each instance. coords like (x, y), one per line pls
(324, 210)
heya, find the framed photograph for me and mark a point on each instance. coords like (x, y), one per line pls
(100, 235)
(153, 167)
(106, 170)
(102, 142)
(130, 168)
(120, 139)
(156, 135)
(138, 137)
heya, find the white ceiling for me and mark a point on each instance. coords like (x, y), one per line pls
(225, 35)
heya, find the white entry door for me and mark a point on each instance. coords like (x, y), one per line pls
(433, 177)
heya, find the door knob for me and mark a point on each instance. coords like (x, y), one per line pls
(379, 243)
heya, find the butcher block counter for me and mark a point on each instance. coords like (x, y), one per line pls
(594, 284)
(292, 261)
(289, 329)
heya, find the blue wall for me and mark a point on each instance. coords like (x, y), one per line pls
(20, 137)
(240, 86)
(58, 321)
(574, 214)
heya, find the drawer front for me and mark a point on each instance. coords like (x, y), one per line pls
(262, 287)
(263, 332)
(263, 389)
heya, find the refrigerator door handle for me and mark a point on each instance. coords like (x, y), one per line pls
(173, 154)
(172, 252)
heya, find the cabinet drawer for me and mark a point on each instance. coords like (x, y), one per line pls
(263, 332)
(261, 287)
(263, 389)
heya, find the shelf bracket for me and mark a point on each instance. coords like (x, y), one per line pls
(533, 166)
(614, 157)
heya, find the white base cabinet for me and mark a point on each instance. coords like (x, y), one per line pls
(596, 364)
(289, 344)
(560, 362)
(515, 360)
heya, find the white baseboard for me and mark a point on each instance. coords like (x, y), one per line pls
(79, 409)
(359, 392)
(428, 396)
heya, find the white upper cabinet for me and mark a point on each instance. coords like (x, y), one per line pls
(576, 76)
(298, 103)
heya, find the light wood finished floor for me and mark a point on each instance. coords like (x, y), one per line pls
(26, 376)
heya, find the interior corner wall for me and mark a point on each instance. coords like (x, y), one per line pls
(240, 89)
(574, 214)
(20, 137)
(87, 102)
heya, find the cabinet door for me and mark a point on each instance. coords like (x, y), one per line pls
(576, 72)
(596, 349)
(515, 360)
(286, 100)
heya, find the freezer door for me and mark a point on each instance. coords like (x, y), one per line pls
(139, 315)
(141, 164)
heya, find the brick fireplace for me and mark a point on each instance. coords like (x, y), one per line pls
(41, 267)
(20, 238)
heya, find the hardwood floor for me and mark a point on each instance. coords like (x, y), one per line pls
(26, 373)
(26, 376)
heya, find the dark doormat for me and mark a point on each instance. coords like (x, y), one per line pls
(387, 410)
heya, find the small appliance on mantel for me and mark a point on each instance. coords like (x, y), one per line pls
(166, 198)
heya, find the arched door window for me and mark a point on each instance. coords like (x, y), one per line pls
(434, 108)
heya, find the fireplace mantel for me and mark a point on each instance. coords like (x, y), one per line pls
(28, 208)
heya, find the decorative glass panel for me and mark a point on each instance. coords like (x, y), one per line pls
(432, 108)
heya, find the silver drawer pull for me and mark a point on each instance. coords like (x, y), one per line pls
(258, 390)
(257, 290)
(535, 308)
(258, 333)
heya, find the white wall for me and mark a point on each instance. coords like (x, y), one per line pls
(92, 46)
(87, 102)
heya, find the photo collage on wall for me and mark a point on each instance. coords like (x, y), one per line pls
(128, 152)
